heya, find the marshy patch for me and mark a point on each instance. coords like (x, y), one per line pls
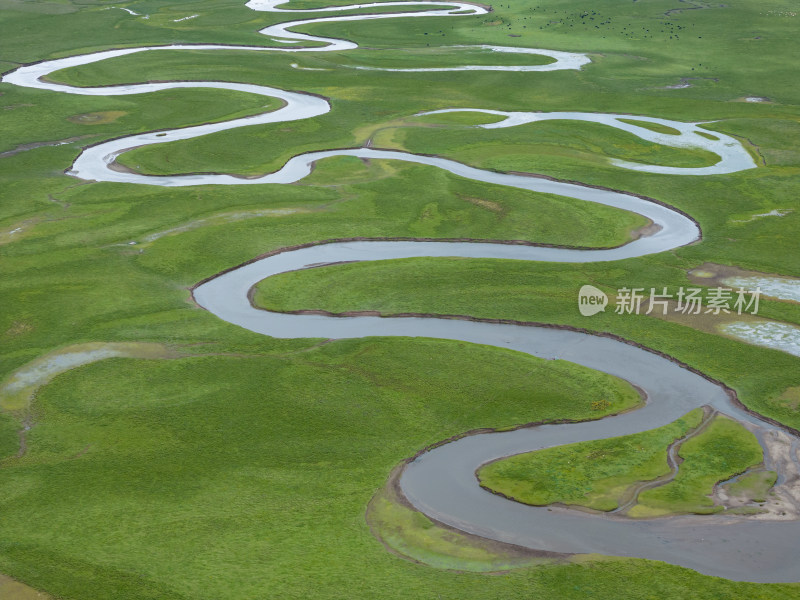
(745, 327)
(18, 388)
(34, 145)
(753, 99)
(776, 287)
(768, 334)
(777, 212)
(410, 534)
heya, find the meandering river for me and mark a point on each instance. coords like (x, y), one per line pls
(442, 482)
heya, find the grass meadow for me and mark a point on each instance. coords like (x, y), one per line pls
(242, 467)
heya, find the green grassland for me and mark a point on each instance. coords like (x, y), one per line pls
(244, 468)
(179, 108)
(433, 57)
(592, 474)
(539, 292)
(167, 491)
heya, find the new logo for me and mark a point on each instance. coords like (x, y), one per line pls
(591, 300)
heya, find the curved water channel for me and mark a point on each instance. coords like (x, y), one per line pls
(441, 482)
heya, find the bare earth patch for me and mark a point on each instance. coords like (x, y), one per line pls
(783, 501)
(11, 589)
(790, 398)
(487, 204)
(97, 118)
(18, 328)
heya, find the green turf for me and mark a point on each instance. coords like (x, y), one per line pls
(159, 486)
(225, 476)
(127, 445)
(595, 475)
